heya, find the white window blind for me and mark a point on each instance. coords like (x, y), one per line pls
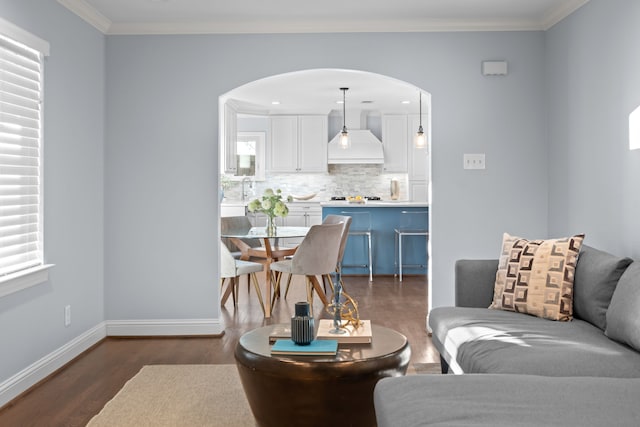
(20, 157)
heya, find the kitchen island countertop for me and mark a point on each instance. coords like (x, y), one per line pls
(374, 204)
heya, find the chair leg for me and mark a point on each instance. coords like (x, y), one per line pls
(276, 287)
(252, 277)
(227, 291)
(309, 293)
(288, 284)
(370, 261)
(235, 281)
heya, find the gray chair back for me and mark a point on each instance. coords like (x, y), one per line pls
(318, 252)
(239, 225)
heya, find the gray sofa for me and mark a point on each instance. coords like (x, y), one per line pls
(533, 369)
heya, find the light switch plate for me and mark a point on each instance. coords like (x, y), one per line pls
(474, 161)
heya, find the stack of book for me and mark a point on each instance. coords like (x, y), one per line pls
(315, 348)
(351, 335)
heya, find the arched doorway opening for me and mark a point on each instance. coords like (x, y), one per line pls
(374, 101)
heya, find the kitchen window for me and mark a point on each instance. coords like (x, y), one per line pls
(21, 242)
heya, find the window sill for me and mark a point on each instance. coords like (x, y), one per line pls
(24, 279)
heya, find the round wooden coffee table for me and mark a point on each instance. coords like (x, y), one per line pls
(318, 390)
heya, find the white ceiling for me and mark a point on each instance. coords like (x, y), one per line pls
(306, 16)
(317, 91)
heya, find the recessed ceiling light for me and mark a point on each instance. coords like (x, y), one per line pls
(275, 102)
(406, 102)
(339, 102)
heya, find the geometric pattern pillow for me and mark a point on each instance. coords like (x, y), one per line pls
(537, 276)
(501, 274)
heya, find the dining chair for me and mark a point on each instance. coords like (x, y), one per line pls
(412, 223)
(231, 270)
(317, 255)
(346, 223)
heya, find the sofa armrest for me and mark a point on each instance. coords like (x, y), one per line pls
(474, 282)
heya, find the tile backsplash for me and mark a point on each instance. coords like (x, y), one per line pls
(340, 180)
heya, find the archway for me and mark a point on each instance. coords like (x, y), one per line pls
(315, 92)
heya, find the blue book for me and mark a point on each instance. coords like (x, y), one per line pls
(316, 348)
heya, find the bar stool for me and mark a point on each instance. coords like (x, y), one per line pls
(361, 226)
(412, 223)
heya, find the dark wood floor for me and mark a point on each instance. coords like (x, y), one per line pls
(74, 394)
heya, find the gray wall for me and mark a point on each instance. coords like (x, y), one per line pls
(156, 230)
(32, 320)
(161, 150)
(593, 70)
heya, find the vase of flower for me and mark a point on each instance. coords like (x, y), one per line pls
(272, 206)
(271, 228)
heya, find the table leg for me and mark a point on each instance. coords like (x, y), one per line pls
(268, 284)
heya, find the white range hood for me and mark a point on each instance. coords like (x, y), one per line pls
(365, 147)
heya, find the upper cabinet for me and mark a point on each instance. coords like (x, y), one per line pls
(230, 139)
(394, 143)
(298, 144)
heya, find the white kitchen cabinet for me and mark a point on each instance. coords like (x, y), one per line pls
(419, 191)
(230, 139)
(418, 172)
(302, 215)
(232, 209)
(298, 144)
(394, 143)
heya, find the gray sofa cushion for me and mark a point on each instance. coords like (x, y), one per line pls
(506, 400)
(597, 274)
(479, 340)
(623, 317)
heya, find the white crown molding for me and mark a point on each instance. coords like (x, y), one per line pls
(559, 14)
(39, 370)
(301, 27)
(162, 327)
(89, 13)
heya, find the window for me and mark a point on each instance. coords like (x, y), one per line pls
(250, 147)
(21, 245)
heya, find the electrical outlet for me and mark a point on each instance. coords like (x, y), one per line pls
(473, 161)
(67, 315)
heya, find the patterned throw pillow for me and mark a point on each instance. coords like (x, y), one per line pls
(536, 276)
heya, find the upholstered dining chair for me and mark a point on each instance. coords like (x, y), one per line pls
(250, 248)
(317, 255)
(231, 270)
(346, 223)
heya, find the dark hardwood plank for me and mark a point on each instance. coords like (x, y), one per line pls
(78, 391)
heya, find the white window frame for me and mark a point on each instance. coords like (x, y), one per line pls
(14, 281)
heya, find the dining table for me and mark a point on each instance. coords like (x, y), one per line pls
(270, 241)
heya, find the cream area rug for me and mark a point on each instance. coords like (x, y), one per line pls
(189, 396)
(179, 395)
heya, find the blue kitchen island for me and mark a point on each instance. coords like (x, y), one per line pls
(385, 218)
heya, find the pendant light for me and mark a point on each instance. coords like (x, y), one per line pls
(420, 139)
(345, 141)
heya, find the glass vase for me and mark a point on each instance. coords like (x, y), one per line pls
(271, 227)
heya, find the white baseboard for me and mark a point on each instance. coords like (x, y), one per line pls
(23, 380)
(163, 327)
